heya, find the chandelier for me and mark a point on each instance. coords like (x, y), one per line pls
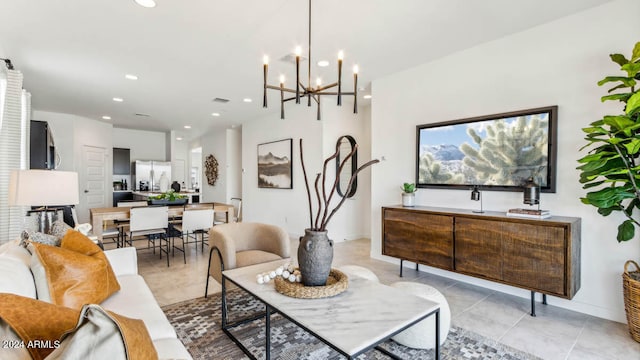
(309, 91)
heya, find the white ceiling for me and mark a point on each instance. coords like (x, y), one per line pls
(74, 53)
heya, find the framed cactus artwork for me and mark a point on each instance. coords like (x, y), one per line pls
(497, 152)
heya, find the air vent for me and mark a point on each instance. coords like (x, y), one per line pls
(143, 115)
(291, 58)
(221, 100)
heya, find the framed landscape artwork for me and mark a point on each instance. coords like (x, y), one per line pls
(274, 165)
(496, 152)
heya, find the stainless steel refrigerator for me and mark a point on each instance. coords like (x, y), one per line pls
(147, 174)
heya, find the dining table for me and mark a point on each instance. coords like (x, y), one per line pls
(100, 215)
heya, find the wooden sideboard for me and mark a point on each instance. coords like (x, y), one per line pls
(540, 255)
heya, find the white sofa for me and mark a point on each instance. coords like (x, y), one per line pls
(134, 299)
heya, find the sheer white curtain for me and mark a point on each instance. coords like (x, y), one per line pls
(3, 92)
(14, 131)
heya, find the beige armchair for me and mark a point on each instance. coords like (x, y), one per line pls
(242, 244)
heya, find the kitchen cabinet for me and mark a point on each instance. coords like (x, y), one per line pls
(119, 196)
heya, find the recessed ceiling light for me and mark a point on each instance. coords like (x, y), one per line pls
(187, 126)
(131, 77)
(247, 100)
(367, 96)
(323, 63)
(146, 3)
(179, 138)
(215, 114)
(117, 99)
(106, 117)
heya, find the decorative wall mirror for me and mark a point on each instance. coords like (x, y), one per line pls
(345, 145)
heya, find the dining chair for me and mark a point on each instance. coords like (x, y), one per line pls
(152, 222)
(122, 225)
(237, 209)
(194, 223)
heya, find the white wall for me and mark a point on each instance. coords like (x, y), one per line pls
(71, 133)
(289, 208)
(351, 221)
(214, 143)
(144, 145)
(234, 163)
(557, 63)
(283, 207)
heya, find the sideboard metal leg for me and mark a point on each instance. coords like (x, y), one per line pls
(533, 303)
(417, 267)
(401, 260)
(544, 299)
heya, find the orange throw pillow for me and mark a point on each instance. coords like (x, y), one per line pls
(37, 323)
(77, 272)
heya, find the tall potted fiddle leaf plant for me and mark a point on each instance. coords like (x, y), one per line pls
(611, 169)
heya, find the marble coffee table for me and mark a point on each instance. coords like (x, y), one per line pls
(352, 323)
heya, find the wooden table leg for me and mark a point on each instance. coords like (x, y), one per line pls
(96, 222)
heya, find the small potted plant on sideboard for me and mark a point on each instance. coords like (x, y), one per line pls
(409, 194)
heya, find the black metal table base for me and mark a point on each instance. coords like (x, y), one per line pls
(270, 310)
(401, 261)
(533, 302)
(533, 293)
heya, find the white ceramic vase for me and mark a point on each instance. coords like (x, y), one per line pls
(408, 199)
(164, 182)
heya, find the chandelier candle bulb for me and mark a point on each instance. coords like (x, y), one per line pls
(355, 89)
(282, 97)
(340, 57)
(298, 52)
(265, 66)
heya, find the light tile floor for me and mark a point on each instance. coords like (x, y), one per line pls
(555, 333)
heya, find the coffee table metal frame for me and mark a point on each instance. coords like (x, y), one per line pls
(270, 309)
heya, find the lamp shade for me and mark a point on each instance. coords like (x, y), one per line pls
(43, 188)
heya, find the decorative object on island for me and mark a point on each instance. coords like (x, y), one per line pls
(211, 169)
(497, 152)
(274, 164)
(409, 194)
(309, 91)
(164, 182)
(175, 186)
(46, 188)
(475, 196)
(315, 252)
(610, 169)
(168, 198)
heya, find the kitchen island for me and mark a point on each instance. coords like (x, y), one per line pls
(194, 197)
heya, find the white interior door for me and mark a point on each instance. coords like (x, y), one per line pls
(93, 180)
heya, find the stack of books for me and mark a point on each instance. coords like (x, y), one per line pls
(529, 213)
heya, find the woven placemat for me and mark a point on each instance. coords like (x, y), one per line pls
(337, 282)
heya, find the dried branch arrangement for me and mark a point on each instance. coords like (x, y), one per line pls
(320, 223)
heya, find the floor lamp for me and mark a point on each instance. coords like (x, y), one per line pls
(45, 189)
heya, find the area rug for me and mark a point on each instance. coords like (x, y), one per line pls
(197, 323)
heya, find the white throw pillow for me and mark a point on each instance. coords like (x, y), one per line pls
(39, 276)
(13, 348)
